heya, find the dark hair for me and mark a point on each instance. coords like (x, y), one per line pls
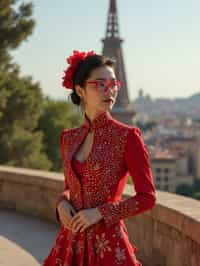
(84, 70)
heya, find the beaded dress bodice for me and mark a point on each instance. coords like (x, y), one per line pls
(118, 150)
(79, 167)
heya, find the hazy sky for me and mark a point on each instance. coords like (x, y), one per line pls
(161, 43)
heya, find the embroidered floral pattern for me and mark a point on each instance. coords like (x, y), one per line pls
(118, 233)
(102, 245)
(59, 262)
(119, 255)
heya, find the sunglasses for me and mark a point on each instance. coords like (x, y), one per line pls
(103, 85)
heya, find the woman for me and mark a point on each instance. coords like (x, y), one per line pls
(97, 159)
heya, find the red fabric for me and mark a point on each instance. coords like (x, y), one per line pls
(65, 195)
(137, 161)
(118, 150)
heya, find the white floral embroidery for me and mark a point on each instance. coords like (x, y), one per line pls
(59, 262)
(119, 233)
(102, 245)
(119, 255)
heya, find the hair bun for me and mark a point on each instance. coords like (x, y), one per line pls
(75, 98)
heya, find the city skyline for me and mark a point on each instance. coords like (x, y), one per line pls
(161, 47)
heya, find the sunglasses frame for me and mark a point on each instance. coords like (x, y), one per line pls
(107, 83)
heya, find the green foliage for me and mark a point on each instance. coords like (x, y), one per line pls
(21, 105)
(56, 116)
(196, 195)
(184, 189)
(16, 25)
(145, 126)
(196, 185)
(21, 100)
(24, 149)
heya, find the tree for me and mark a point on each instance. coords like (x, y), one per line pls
(196, 195)
(16, 25)
(56, 116)
(21, 106)
(184, 189)
(21, 100)
(196, 185)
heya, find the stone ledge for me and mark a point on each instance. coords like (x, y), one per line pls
(43, 179)
(179, 212)
(167, 235)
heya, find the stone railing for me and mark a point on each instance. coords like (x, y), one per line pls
(167, 235)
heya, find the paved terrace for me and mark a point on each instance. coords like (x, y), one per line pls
(24, 239)
(167, 235)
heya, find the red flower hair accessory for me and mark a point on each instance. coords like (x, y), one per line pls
(74, 61)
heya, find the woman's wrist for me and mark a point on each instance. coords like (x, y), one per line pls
(61, 203)
(99, 213)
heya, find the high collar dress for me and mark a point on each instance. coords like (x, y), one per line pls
(118, 151)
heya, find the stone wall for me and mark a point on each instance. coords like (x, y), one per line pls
(32, 192)
(167, 235)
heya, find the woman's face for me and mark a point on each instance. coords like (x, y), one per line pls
(94, 99)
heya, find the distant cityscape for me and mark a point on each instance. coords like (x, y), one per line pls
(159, 108)
(171, 130)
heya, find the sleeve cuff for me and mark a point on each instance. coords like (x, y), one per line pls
(61, 197)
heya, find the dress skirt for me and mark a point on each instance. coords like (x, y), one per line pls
(95, 246)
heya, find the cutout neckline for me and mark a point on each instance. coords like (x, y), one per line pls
(90, 153)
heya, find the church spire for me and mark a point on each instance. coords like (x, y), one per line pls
(112, 48)
(113, 7)
(112, 29)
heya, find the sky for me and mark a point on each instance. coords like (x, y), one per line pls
(161, 45)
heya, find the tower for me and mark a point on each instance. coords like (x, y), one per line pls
(112, 48)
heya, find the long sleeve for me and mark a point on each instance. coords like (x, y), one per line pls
(138, 165)
(65, 194)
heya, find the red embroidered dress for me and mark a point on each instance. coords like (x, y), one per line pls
(118, 151)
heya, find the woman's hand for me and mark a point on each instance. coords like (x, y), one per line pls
(66, 212)
(85, 218)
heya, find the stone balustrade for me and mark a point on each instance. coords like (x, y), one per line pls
(167, 235)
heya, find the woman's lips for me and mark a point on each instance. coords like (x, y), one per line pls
(108, 100)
